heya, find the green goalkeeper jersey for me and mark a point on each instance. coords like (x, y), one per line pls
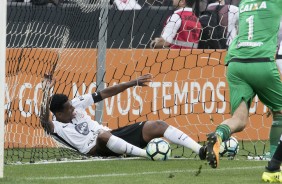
(256, 41)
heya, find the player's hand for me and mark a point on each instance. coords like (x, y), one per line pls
(48, 82)
(159, 43)
(142, 80)
(153, 43)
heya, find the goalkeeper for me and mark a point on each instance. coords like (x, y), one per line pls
(73, 126)
(251, 71)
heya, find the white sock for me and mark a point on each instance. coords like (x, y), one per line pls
(178, 137)
(120, 146)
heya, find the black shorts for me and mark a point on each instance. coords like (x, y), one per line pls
(131, 134)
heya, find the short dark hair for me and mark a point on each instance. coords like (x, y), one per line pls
(57, 102)
(190, 3)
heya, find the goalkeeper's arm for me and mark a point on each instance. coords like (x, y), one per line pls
(45, 120)
(116, 89)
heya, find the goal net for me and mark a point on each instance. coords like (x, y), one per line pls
(89, 45)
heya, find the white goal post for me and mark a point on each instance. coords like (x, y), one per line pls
(3, 18)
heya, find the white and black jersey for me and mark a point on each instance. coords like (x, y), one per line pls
(81, 133)
(279, 53)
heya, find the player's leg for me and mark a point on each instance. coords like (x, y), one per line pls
(272, 171)
(276, 127)
(107, 144)
(271, 95)
(236, 123)
(241, 94)
(154, 129)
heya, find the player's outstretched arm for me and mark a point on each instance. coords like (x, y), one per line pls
(46, 123)
(114, 90)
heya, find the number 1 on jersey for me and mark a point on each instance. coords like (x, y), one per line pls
(250, 21)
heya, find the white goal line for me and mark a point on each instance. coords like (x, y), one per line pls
(143, 173)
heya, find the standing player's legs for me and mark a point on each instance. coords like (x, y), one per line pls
(245, 80)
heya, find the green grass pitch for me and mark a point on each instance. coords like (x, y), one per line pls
(174, 171)
(135, 171)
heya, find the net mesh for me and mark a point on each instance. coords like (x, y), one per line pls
(189, 89)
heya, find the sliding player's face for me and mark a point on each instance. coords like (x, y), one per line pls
(68, 112)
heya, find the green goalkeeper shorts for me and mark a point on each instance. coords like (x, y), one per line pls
(246, 80)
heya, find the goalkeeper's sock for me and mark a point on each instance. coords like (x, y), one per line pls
(120, 146)
(223, 131)
(275, 133)
(178, 137)
(275, 162)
